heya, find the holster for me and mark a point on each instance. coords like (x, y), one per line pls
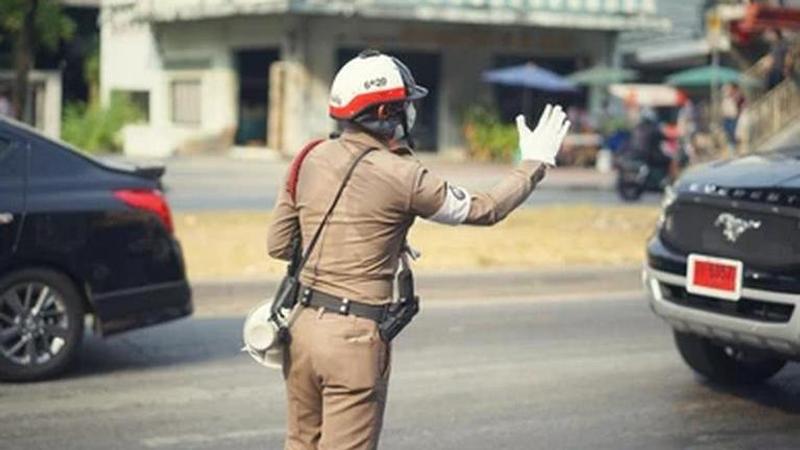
(286, 295)
(400, 313)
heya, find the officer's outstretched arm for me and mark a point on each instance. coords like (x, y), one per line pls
(283, 227)
(435, 199)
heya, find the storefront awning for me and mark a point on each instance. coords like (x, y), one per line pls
(582, 14)
(666, 53)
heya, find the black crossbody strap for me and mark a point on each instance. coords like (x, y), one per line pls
(327, 215)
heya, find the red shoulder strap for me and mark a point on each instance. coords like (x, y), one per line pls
(294, 169)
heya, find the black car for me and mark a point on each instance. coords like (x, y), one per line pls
(723, 268)
(78, 237)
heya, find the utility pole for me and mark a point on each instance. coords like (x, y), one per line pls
(23, 64)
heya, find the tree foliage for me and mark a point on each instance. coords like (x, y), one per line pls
(487, 137)
(31, 25)
(51, 24)
(96, 129)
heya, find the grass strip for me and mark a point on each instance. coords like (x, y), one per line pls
(223, 245)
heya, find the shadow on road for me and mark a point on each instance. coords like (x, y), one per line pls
(188, 341)
(781, 392)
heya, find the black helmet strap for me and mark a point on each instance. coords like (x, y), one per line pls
(406, 132)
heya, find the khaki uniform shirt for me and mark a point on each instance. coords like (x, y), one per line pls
(357, 254)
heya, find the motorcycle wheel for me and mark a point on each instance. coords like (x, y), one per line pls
(629, 192)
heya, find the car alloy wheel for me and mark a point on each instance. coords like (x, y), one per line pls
(34, 324)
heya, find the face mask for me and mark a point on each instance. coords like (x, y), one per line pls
(411, 115)
(411, 118)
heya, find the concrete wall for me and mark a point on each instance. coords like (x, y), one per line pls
(309, 49)
(49, 111)
(46, 87)
(129, 61)
(128, 51)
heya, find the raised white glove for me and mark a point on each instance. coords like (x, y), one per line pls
(544, 142)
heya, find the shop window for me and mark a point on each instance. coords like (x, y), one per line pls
(186, 102)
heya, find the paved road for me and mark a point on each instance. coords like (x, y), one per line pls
(570, 373)
(216, 183)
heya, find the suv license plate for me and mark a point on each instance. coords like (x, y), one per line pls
(714, 277)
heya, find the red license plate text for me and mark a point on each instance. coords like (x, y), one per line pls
(715, 276)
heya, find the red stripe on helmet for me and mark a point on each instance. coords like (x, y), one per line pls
(362, 101)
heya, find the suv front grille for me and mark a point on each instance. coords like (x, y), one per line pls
(694, 228)
(744, 308)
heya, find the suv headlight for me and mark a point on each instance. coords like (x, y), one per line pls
(670, 195)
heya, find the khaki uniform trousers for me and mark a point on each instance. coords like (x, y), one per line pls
(337, 372)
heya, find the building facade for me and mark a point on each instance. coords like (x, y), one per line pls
(215, 73)
(683, 45)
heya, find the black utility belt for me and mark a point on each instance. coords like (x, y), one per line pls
(344, 306)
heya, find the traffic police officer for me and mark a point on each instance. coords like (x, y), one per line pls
(337, 367)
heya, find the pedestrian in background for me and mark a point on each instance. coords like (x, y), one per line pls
(730, 106)
(776, 60)
(647, 141)
(338, 363)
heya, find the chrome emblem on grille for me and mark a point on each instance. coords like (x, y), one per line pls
(733, 227)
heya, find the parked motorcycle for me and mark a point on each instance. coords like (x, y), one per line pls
(654, 157)
(635, 177)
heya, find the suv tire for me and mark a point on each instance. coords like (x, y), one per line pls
(724, 364)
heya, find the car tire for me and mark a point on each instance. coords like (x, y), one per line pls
(723, 364)
(48, 311)
(629, 192)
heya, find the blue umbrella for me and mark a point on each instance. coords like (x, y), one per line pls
(529, 76)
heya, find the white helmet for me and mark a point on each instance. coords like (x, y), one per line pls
(263, 335)
(370, 79)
